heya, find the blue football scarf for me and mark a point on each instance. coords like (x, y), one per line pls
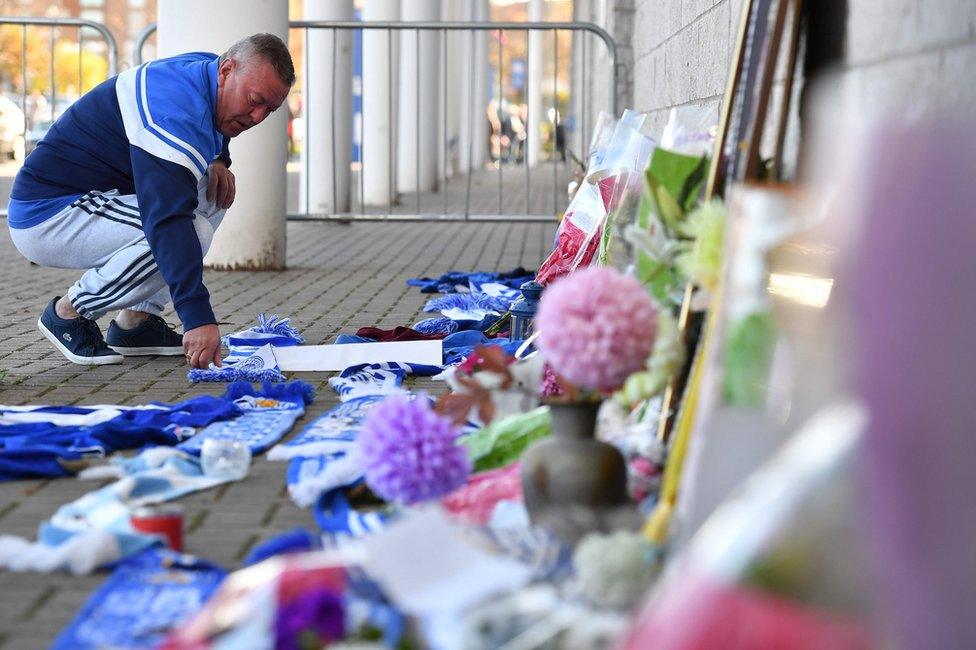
(460, 345)
(337, 519)
(145, 597)
(308, 477)
(460, 282)
(369, 379)
(438, 325)
(266, 416)
(156, 475)
(319, 456)
(250, 356)
(259, 366)
(377, 378)
(468, 302)
(161, 474)
(333, 432)
(295, 540)
(39, 448)
(274, 330)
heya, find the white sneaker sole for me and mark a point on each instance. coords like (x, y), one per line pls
(103, 360)
(149, 351)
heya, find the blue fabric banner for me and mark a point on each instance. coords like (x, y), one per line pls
(145, 597)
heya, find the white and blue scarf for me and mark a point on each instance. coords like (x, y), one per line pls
(250, 354)
(320, 456)
(48, 441)
(266, 416)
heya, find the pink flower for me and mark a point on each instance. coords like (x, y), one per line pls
(596, 327)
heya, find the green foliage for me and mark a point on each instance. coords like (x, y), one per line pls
(603, 258)
(678, 175)
(503, 441)
(673, 183)
(701, 255)
(665, 361)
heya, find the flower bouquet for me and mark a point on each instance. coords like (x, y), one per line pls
(612, 170)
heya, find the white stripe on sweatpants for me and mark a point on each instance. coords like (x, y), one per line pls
(102, 232)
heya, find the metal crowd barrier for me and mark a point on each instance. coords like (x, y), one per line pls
(395, 208)
(54, 24)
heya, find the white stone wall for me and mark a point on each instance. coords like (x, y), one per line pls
(681, 54)
(912, 56)
(903, 57)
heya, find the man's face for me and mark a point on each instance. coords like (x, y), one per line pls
(246, 95)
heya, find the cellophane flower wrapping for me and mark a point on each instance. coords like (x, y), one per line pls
(612, 170)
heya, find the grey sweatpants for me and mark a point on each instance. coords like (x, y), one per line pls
(102, 232)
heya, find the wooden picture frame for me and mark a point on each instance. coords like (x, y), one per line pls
(742, 124)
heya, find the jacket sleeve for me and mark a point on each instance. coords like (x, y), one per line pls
(167, 194)
(165, 112)
(225, 153)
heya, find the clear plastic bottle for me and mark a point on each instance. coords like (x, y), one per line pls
(225, 458)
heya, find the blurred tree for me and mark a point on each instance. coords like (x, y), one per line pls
(93, 68)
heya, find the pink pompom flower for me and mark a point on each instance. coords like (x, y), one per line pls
(408, 452)
(596, 327)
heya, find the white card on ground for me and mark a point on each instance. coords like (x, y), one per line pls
(424, 563)
(340, 357)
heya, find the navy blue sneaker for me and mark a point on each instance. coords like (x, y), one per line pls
(152, 336)
(78, 339)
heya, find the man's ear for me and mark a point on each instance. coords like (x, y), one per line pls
(225, 68)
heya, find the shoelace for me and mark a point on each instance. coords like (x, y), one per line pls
(93, 333)
(166, 325)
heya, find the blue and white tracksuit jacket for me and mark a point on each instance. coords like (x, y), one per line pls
(148, 132)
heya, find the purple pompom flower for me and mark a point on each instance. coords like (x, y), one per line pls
(408, 451)
(313, 620)
(596, 327)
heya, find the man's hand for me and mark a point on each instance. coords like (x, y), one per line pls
(202, 345)
(222, 187)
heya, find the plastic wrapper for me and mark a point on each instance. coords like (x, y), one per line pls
(644, 223)
(691, 130)
(614, 167)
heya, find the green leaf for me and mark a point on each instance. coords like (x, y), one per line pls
(748, 358)
(603, 258)
(503, 441)
(682, 176)
(667, 207)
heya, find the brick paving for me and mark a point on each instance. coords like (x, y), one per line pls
(339, 278)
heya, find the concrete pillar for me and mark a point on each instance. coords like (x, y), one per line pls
(252, 236)
(534, 82)
(418, 120)
(380, 49)
(325, 186)
(474, 92)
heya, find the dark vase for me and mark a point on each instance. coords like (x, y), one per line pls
(572, 482)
